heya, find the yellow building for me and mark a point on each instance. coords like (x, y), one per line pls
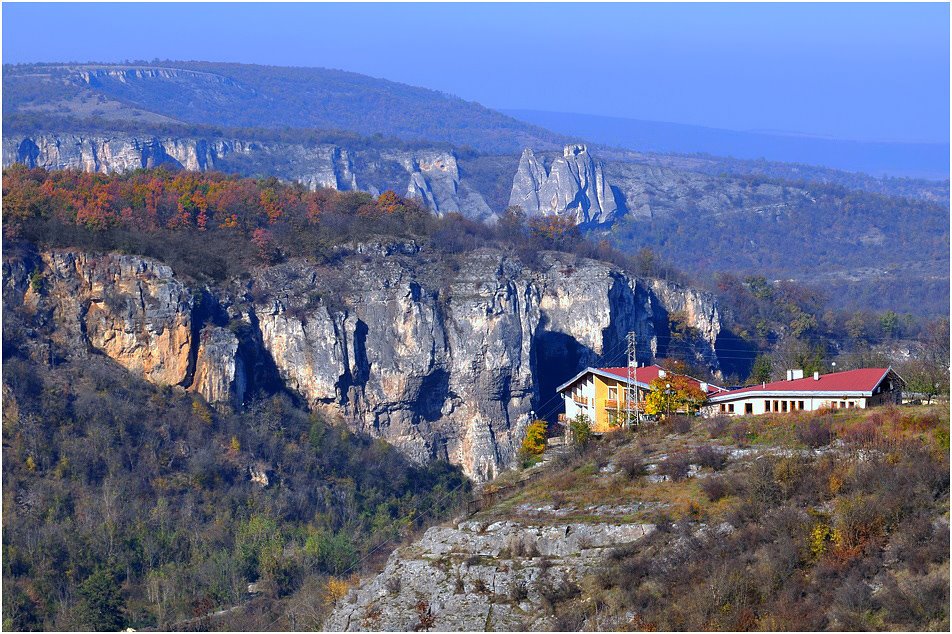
(600, 393)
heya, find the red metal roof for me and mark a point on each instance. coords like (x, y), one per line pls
(645, 374)
(649, 373)
(862, 380)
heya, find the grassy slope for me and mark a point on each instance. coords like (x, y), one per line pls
(848, 535)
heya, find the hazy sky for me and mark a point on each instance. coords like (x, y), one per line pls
(861, 71)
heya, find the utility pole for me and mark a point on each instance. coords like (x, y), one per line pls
(631, 393)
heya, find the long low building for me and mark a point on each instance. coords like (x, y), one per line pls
(861, 388)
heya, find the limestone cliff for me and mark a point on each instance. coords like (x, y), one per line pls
(574, 185)
(431, 175)
(444, 359)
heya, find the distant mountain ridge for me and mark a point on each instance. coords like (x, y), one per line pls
(245, 95)
(915, 160)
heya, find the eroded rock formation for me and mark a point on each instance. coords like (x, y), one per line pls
(444, 359)
(574, 185)
(430, 175)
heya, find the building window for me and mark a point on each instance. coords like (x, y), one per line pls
(800, 404)
(766, 406)
(748, 408)
(842, 404)
(783, 406)
(730, 408)
(723, 407)
(613, 394)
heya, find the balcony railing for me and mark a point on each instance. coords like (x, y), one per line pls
(580, 400)
(611, 403)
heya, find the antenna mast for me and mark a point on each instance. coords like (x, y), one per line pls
(631, 393)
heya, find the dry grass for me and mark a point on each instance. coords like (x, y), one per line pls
(578, 483)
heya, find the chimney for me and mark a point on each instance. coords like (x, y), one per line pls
(816, 376)
(797, 374)
(789, 375)
(662, 374)
(704, 386)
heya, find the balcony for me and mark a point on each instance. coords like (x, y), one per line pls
(611, 403)
(581, 400)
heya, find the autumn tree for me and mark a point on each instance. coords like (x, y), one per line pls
(552, 232)
(533, 445)
(673, 393)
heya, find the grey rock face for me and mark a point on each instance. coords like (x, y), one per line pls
(654, 191)
(430, 175)
(220, 374)
(700, 311)
(478, 577)
(575, 185)
(443, 359)
(452, 369)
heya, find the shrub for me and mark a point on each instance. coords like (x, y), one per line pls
(818, 432)
(425, 615)
(715, 488)
(676, 466)
(718, 426)
(394, 585)
(519, 591)
(681, 424)
(711, 457)
(739, 433)
(857, 521)
(862, 434)
(632, 465)
(581, 428)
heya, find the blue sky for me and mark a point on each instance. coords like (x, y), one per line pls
(854, 71)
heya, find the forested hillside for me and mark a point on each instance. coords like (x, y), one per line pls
(126, 504)
(862, 250)
(213, 499)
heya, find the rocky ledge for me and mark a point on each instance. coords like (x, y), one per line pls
(479, 576)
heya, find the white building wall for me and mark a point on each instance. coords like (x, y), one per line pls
(584, 389)
(758, 404)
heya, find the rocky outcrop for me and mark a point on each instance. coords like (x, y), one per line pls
(574, 185)
(220, 374)
(699, 312)
(454, 368)
(655, 191)
(131, 309)
(480, 576)
(435, 178)
(443, 359)
(430, 175)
